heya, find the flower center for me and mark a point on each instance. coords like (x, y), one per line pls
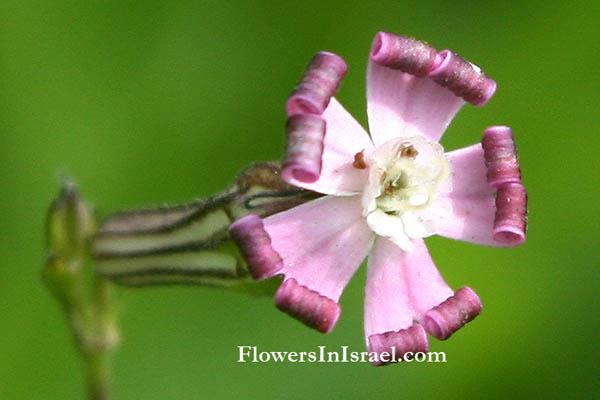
(406, 175)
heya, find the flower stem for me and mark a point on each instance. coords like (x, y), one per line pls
(98, 375)
(97, 352)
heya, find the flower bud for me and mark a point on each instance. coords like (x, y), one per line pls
(69, 223)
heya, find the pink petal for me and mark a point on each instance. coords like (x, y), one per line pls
(389, 311)
(469, 173)
(321, 242)
(441, 311)
(467, 219)
(426, 285)
(388, 306)
(468, 212)
(344, 138)
(399, 104)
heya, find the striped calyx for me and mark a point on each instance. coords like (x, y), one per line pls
(448, 317)
(189, 244)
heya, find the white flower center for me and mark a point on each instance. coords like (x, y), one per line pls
(406, 175)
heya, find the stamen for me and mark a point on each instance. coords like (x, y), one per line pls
(448, 317)
(510, 223)
(255, 244)
(307, 306)
(406, 54)
(413, 339)
(359, 160)
(462, 78)
(408, 151)
(318, 84)
(305, 133)
(500, 156)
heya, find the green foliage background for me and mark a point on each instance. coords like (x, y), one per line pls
(148, 102)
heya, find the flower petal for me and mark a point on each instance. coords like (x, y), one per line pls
(344, 138)
(387, 302)
(400, 104)
(468, 212)
(469, 172)
(319, 254)
(426, 285)
(389, 311)
(441, 311)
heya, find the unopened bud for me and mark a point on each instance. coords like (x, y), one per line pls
(69, 223)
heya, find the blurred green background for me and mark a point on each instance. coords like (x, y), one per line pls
(153, 102)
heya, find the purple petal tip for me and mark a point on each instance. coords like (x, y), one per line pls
(399, 52)
(500, 155)
(462, 78)
(255, 244)
(307, 306)
(305, 134)
(448, 317)
(510, 223)
(319, 83)
(395, 344)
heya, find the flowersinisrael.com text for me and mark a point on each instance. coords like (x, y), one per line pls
(252, 354)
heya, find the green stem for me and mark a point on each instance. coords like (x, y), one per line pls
(97, 352)
(97, 365)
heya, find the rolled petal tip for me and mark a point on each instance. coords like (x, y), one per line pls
(510, 223)
(500, 155)
(464, 79)
(397, 343)
(404, 53)
(305, 134)
(254, 242)
(307, 306)
(448, 317)
(319, 83)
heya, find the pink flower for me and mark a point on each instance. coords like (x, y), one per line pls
(384, 193)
